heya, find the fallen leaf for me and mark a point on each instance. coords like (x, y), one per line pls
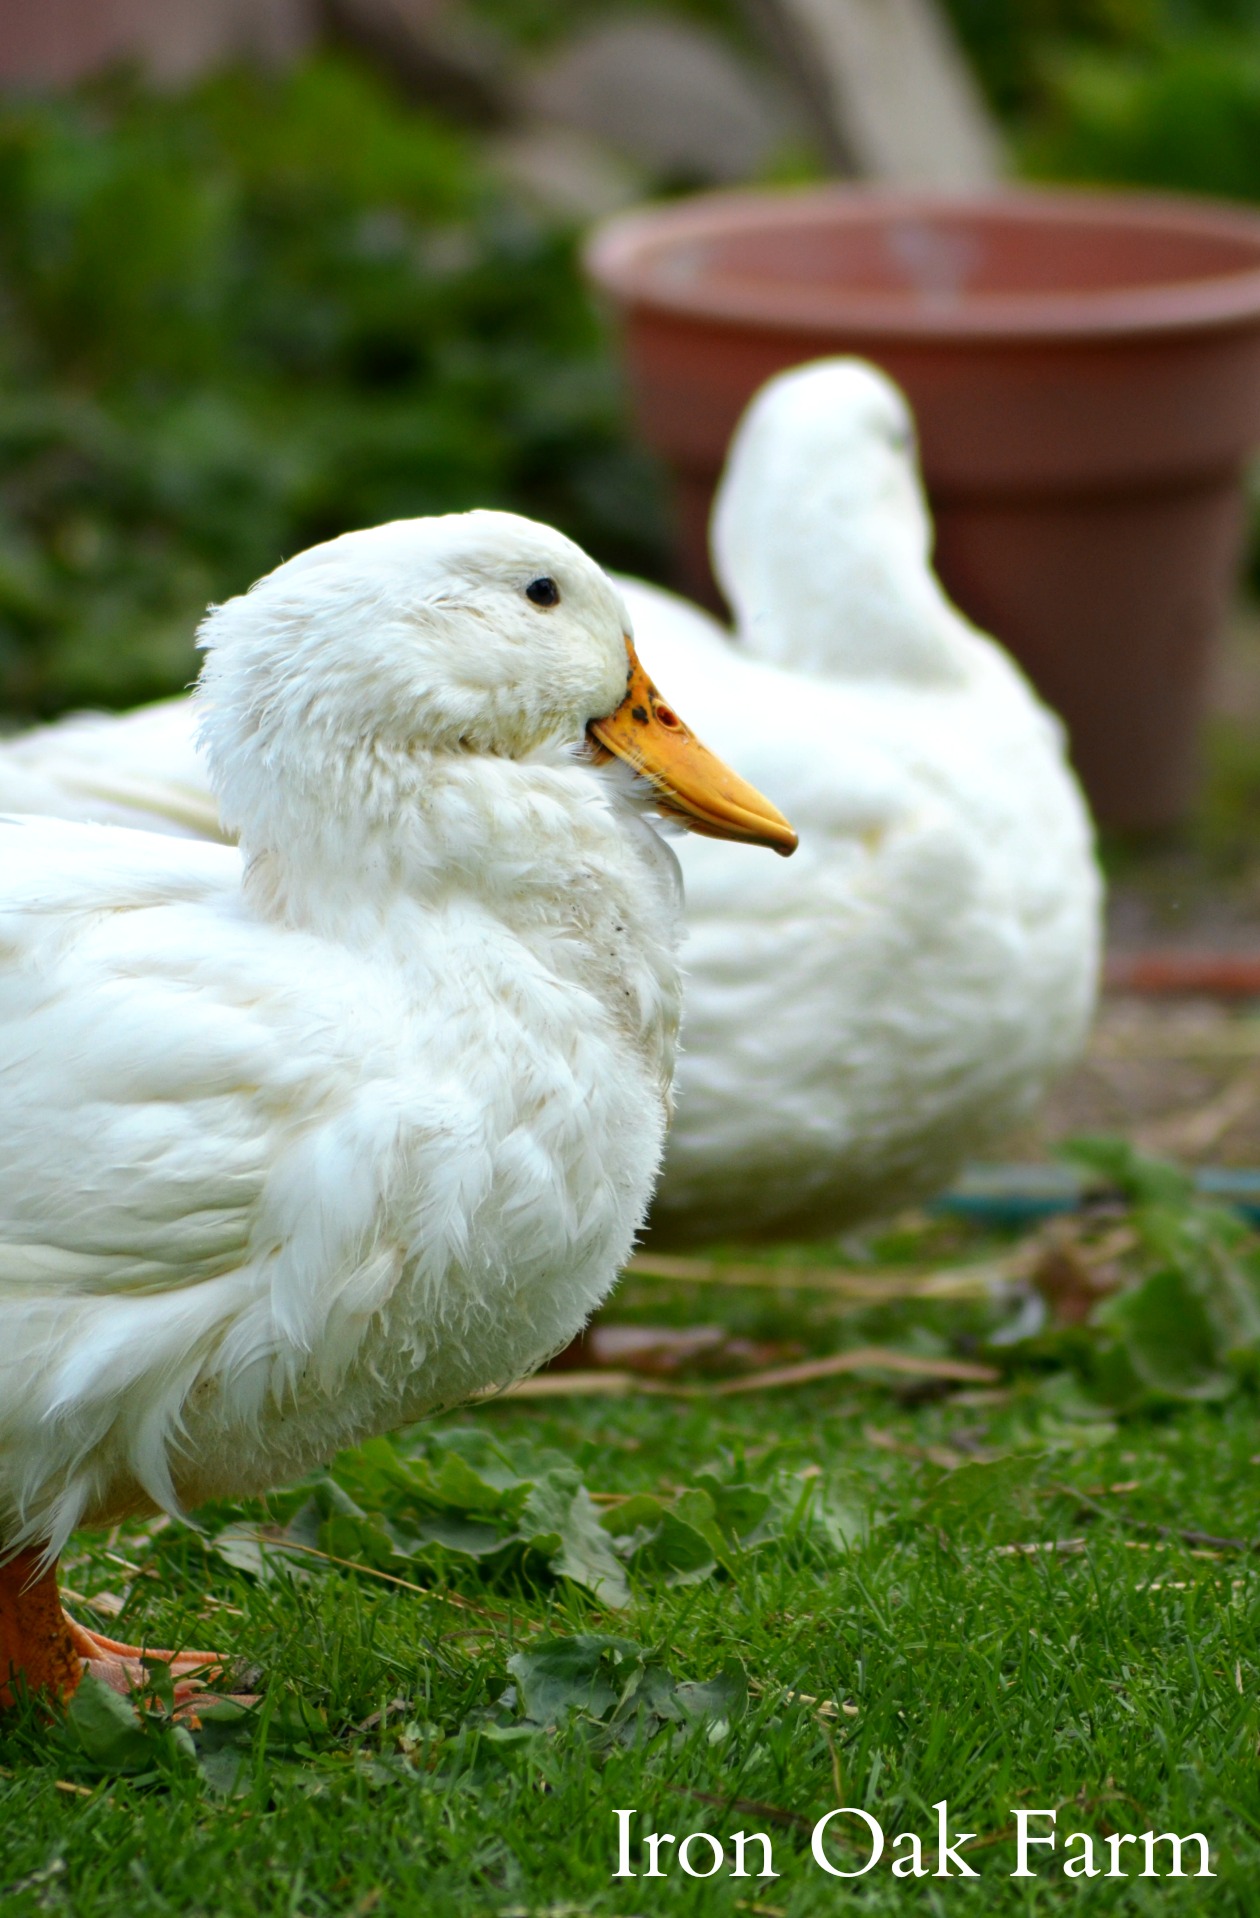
(663, 1351)
(621, 1687)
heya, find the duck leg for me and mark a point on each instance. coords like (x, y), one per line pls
(35, 1641)
(49, 1651)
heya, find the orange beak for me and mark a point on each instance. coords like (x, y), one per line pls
(694, 785)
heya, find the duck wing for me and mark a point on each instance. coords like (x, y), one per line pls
(186, 1186)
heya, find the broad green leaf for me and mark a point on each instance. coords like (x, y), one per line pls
(223, 1737)
(459, 1536)
(843, 1523)
(459, 1486)
(981, 1489)
(585, 1673)
(1166, 1344)
(360, 1538)
(115, 1738)
(740, 1510)
(721, 1699)
(1139, 1176)
(675, 1552)
(561, 1504)
(656, 1542)
(618, 1685)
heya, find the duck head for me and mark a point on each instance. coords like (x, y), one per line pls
(821, 536)
(470, 634)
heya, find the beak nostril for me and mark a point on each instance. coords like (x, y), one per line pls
(667, 717)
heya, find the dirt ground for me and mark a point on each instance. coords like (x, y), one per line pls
(1179, 1077)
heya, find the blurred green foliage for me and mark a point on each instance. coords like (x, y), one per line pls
(1161, 93)
(1011, 41)
(242, 320)
(1184, 116)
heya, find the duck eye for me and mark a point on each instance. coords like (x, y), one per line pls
(543, 592)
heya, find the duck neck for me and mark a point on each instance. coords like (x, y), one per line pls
(347, 841)
(851, 600)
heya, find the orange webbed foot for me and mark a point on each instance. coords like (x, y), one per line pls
(43, 1649)
(125, 1668)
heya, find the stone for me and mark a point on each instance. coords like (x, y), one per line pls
(566, 173)
(670, 96)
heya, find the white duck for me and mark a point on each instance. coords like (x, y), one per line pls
(308, 1138)
(859, 1023)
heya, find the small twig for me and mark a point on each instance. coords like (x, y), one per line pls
(861, 1288)
(134, 1571)
(943, 1456)
(1190, 1135)
(994, 1838)
(1201, 1541)
(867, 1358)
(822, 1707)
(1205, 1541)
(746, 1807)
(388, 1578)
(613, 1384)
(105, 1604)
(1068, 1547)
(581, 1384)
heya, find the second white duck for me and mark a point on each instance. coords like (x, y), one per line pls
(859, 1026)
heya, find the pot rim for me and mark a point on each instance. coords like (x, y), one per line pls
(628, 257)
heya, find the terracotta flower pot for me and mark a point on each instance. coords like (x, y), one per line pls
(1085, 368)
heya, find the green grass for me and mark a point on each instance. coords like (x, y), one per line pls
(893, 1658)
